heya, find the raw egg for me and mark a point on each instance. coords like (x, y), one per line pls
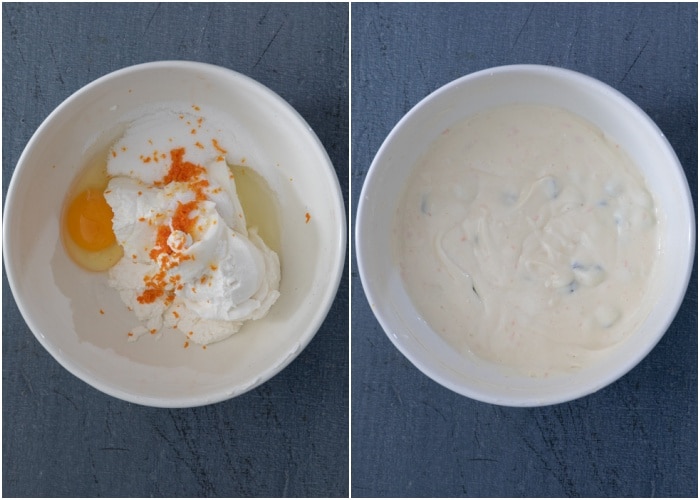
(87, 222)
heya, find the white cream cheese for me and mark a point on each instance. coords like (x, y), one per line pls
(190, 262)
(527, 238)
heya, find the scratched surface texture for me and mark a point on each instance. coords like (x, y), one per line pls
(411, 436)
(288, 437)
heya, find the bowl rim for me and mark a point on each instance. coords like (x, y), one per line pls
(338, 250)
(373, 297)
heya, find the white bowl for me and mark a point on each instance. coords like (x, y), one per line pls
(61, 303)
(605, 107)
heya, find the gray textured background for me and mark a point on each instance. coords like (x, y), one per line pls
(412, 437)
(288, 437)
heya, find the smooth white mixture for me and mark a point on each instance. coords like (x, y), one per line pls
(189, 260)
(527, 238)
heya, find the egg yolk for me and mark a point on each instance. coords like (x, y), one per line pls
(89, 221)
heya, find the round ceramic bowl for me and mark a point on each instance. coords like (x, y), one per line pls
(613, 113)
(82, 322)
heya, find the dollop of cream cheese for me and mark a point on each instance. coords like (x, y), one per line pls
(190, 261)
(527, 238)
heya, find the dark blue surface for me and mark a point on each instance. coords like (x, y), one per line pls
(411, 436)
(289, 437)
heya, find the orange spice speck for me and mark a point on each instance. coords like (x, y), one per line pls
(308, 217)
(114, 154)
(149, 295)
(102, 311)
(186, 345)
(153, 331)
(181, 220)
(130, 334)
(199, 145)
(181, 171)
(195, 107)
(204, 347)
(193, 131)
(176, 314)
(161, 245)
(217, 147)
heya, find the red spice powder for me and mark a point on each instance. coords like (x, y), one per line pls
(150, 295)
(180, 171)
(161, 245)
(181, 218)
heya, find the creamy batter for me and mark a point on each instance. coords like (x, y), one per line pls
(528, 238)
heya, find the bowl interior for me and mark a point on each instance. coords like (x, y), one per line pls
(83, 323)
(613, 113)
